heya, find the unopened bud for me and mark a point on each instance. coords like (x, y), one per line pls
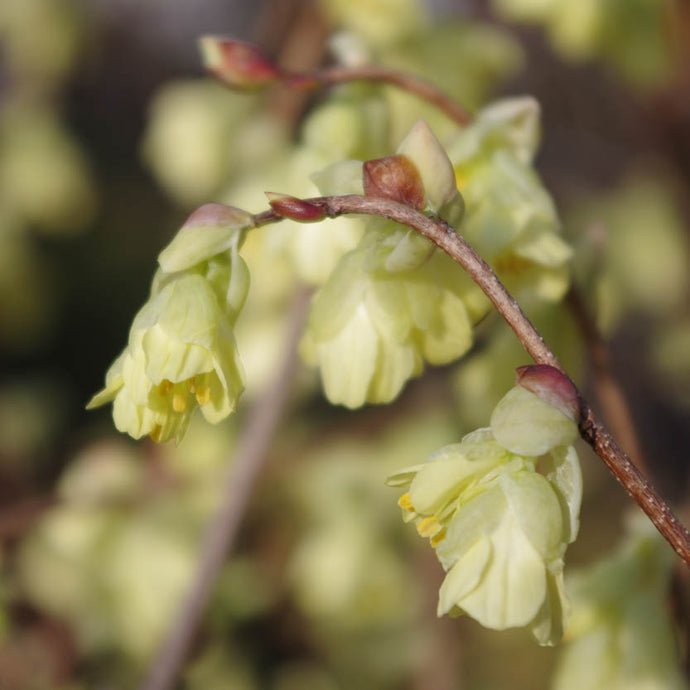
(552, 386)
(397, 178)
(295, 209)
(238, 63)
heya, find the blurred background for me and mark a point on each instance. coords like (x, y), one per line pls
(110, 135)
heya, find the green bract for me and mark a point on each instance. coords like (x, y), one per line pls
(525, 424)
(210, 230)
(181, 354)
(499, 527)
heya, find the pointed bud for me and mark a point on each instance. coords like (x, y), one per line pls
(397, 178)
(208, 231)
(295, 209)
(237, 63)
(426, 153)
(552, 386)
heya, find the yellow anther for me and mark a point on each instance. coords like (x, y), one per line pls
(179, 402)
(438, 538)
(156, 433)
(191, 385)
(405, 503)
(164, 387)
(203, 394)
(428, 527)
(459, 180)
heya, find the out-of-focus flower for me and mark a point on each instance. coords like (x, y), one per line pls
(345, 574)
(620, 633)
(44, 176)
(510, 219)
(200, 135)
(634, 36)
(381, 22)
(41, 39)
(616, 233)
(500, 528)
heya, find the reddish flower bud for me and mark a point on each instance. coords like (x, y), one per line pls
(238, 63)
(397, 178)
(295, 209)
(552, 386)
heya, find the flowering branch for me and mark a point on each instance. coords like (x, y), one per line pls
(447, 239)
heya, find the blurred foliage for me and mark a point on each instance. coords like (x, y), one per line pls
(634, 36)
(107, 138)
(621, 634)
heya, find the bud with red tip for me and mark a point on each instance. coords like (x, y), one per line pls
(237, 63)
(397, 178)
(295, 209)
(552, 386)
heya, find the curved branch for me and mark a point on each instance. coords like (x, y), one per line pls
(591, 429)
(376, 73)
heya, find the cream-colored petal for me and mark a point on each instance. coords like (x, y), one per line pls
(464, 576)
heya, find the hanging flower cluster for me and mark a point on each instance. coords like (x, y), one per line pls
(181, 352)
(501, 507)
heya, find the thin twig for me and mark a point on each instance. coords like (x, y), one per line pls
(377, 73)
(591, 429)
(241, 478)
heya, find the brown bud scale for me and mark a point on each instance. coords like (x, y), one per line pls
(397, 178)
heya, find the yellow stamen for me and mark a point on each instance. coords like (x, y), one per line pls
(460, 180)
(203, 395)
(164, 387)
(191, 385)
(179, 402)
(428, 527)
(438, 538)
(156, 433)
(405, 503)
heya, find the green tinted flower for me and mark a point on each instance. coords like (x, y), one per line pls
(621, 635)
(500, 528)
(181, 355)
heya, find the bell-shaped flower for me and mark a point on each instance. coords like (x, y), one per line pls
(620, 634)
(181, 355)
(500, 528)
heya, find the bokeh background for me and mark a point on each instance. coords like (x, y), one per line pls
(110, 135)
